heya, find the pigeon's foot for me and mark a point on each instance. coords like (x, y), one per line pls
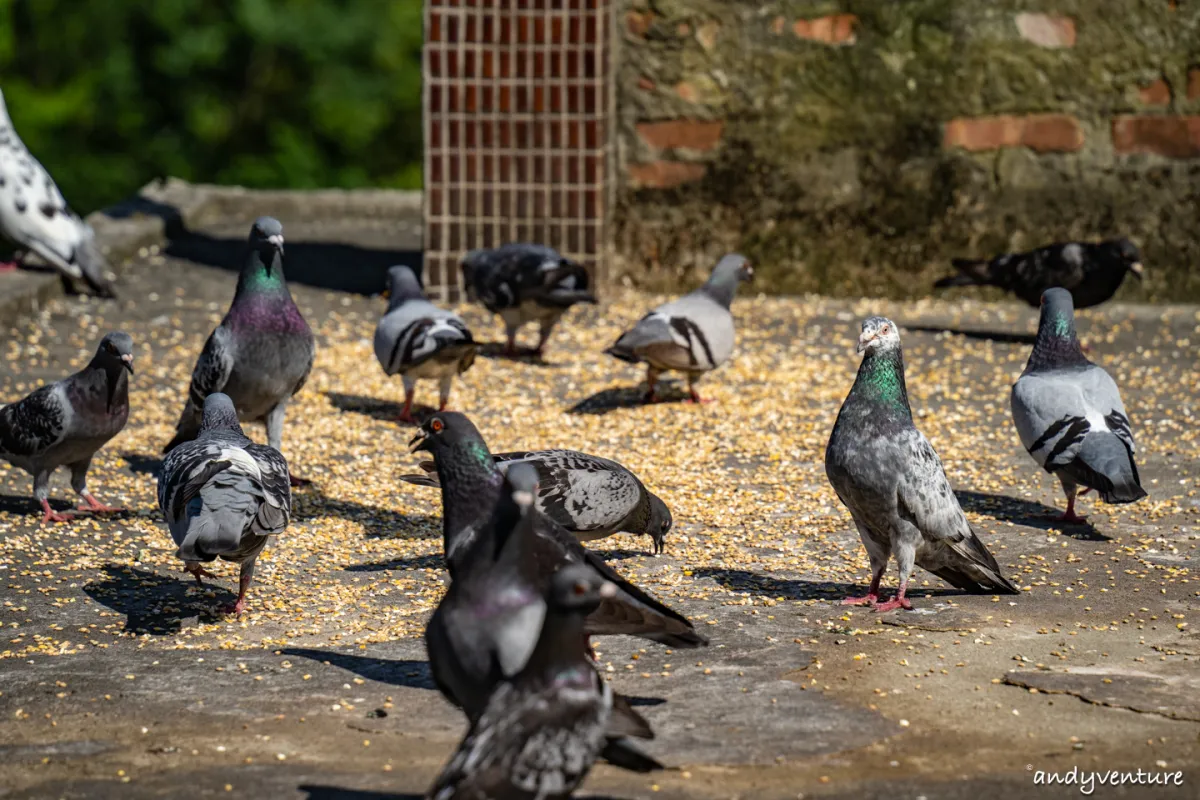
(234, 608)
(869, 600)
(694, 397)
(9, 266)
(407, 417)
(294, 481)
(50, 515)
(899, 601)
(198, 572)
(96, 507)
(1069, 517)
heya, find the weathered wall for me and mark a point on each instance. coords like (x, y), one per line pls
(855, 146)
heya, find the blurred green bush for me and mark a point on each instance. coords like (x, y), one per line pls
(110, 94)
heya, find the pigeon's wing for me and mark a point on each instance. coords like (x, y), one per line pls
(1055, 410)
(34, 213)
(558, 285)
(35, 423)
(691, 333)
(312, 356)
(214, 365)
(273, 476)
(416, 331)
(581, 492)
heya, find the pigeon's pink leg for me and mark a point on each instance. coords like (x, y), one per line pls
(510, 349)
(651, 385)
(197, 571)
(294, 481)
(899, 601)
(693, 395)
(92, 504)
(9, 266)
(240, 605)
(406, 413)
(872, 596)
(53, 516)
(1069, 516)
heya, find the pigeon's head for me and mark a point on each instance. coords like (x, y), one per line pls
(660, 522)
(578, 588)
(879, 334)
(402, 283)
(1128, 253)
(219, 412)
(521, 481)
(733, 268)
(1058, 310)
(449, 432)
(267, 233)
(117, 349)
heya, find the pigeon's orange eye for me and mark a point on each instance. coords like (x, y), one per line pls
(579, 588)
(436, 426)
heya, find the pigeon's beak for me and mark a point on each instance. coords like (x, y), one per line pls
(418, 442)
(864, 341)
(748, 272)
(607, 590)
(127, 362)
(387, 293)
(1138, 270)
(276, 240)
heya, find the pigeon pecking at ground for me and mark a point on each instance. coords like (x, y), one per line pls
(34, 215)
(1069, 413)
(417, 339)
(542, 729)
(261, 353)
(887, 474)
(525, 283)
(65, 423)
(592, 497)
(471, 484)
(1092, 272)
(693, 334)
(224, 496)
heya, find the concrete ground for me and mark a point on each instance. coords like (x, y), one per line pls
(118, 679)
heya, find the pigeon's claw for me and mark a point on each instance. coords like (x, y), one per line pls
(867, 600)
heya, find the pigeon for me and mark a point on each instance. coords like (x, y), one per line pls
(261, 353)
(693, 334)
(542, 729)
(34, 215)
(1069, 413)
(65, 423)
(887, 474)
(223, 495)
(592, 497)
(419, 340)
(1092, 272)
(525, 283)
(471, 484)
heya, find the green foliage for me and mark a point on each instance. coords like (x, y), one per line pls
(110, 94)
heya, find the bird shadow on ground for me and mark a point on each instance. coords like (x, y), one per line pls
(524, 355)
(25, 505)
(144, 464)
(379, 523)
(622, 554)
(797, 589)
(154, 604)
(607, 400)
(1026, 512)
(394, 672)
(1004, 337)
(373, 407)
(431, 561)
(317, 792)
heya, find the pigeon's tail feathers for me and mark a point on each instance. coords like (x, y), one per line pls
(971, 272)
(217, 520)
(422, 480)
(622, 753)
(653, 329)
(94, 266)
(971, 568)
(569, 297)
(625, 721)
(1105, 464)
(686, 638)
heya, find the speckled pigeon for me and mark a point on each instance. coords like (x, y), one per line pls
(542, 729)
(417, 339)
(261, 353)
(471, 485)
(592, 497)
(525, 283)
(1069, 413)
(34, 215)
(224, 496)
(1092, 272)
(65, 423)
(693, 334)
(887, 474)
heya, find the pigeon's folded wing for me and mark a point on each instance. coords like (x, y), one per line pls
(1054, 411)
(35, 423)
(581, 492)
(213, 367)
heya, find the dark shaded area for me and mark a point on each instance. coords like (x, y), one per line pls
(144, 464)
(375, 408)
(523, 355)
(1003, 337)
(1026, 512)
(400, 672)
(155, 604)
(27, 505)
(797, 589)
(380, 523)
(317, 792)
(607, 400)
(433, 561)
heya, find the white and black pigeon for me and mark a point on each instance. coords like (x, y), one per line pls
(223, 496)
(543, 728)
(416, 339)
(692, 335)
(1069, 413)
(592, 497)
(65, 423)
(525, 283)
(471, 484)
(261, 353)
(887, 474)
(34, 215)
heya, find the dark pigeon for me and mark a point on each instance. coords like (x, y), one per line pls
(1069, 413)
(65, 423)
(542, 729)
(592, 497)
(1092, 272)
(887, 474)
(525, 283)
(224, 496)
(261, 353)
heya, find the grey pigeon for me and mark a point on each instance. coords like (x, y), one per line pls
(592, 497)
(471, 485)
(525, 283)
(224, 496)
(65, 423)
(887, 474)
(542, 729)
(1069, 413)
(261, 353)
(34, 215)
(417, 339)
(693, 334)
(1092, 272)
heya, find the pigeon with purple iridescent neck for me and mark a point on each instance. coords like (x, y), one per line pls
(261, 353)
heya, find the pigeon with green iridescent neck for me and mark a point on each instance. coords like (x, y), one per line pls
(261, 353)
(1069, 413)
(887, 474)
